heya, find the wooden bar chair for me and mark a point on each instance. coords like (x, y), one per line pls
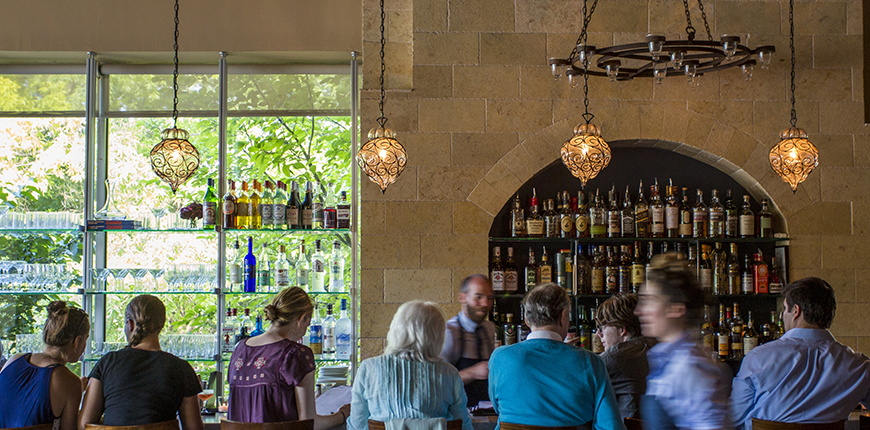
(165, 425)
(758, 424)
(379, 425)
(633, 424)
(39, 427)
(510, 426)
(286, 425)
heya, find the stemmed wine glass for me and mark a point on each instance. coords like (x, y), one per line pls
(204, 396)
(159, 212)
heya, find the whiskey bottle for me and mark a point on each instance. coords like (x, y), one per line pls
(511, 276)
(705, 271)
(496, 271)
(765, 220)
(599, 265)
(732, 217)
(656, 212)
(545, 270)
(535, 221)
(638, 272)
(649, 257)
(597, 217)
(209, 207)
(672, 212)
(518, 219)
(523, 329)
(584, 329)
(707, 332)
(716, 216)
(685, 215)
(581, 216)
(747, 219)
(342, 212)
(641, 214)
(625, 269)
(748, 277)
(279, 207)
(582, 272)
(510, 330)
(228, 208)
(614, 215)
(700, 215)
(243, 208)
(719, 260)
(775, 285)
(307, 208)
(566, 217)
(531, 273)
(266, 202)
(750, 336)
(733, 271)
(723, 334)
(627, 215)
(736, 334)
(611, 271)
(760, 269)
(551, 220)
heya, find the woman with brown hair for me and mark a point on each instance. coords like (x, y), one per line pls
(142, 384)
(37, 387)
(271, 376)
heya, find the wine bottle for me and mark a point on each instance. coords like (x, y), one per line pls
(307, 207)
(279, 206)
(243, 208)
(317, 207)
(209, 206)
(293, 204)
(250, 269)
(256, 216)
(266, 202)
(228, 208)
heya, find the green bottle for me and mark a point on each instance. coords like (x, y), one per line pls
(209, 207)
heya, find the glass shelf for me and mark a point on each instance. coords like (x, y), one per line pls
(317, 230)
(604, 240)
(41, 293)
(148, 230)
(266, 293)
(156, 293)
(38, 230)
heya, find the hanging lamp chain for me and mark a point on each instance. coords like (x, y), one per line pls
(175, 73)
(690, 30)
(791, 45)
(584, 37)
(704, 18)
(583, 33)
(383, 119)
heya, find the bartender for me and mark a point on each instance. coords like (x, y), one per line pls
(469, 337)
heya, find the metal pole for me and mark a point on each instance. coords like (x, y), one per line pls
(88, 191)
(354, 210)
(222, 239)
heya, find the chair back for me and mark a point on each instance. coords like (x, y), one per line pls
(379, 425)
(286, 425)
(165, 425)
(633, 424)
(38, 427)
(510, 426)
(758, 424)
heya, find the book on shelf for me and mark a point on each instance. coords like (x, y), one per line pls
(102, 225)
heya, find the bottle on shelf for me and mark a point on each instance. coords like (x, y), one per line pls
(267, 201)
(293, 205)
(209, 206)
(318, 269)
(750, 336)
(765, 220)
(614, 214)
(748, 278)
(597, 346)
(723, 334)
(686, 221)
(700, 217)
(250, 268)
(581, 216)
(566, 216)
(336, 269)
(638, 266)
(243, 208)
(545, 270)
(705, 270)
(582, 271)
(732, 217)
(625, 269)
(780, 327)
(317, 207)
(707, 332)
(584, 329)
(611, 272)
(235, 268)
(246, 326)
(343, 212)
(279, 207)
(511, 275)
(509, 330)
(649, 257)
(656, 212)
(303, 268)
(330, 213)
(518, 219)
(228, 333)
(531, 273)
(551, 219)
(258, 326)
(264, 269)
(775, 285)
(599, 269)
(736, 334)
(343, 346)
(747, 219)
(329, 334)
(228, 207)
(535, 221)
(768, 330)
(692, 262)
(307, 208)
(672, 212)
(315, 330)
(641, 214)
(734, 278)
(496, 270)
(716, 226)
(719, 261)
(256, 215)
(523, 329)
(761, 275)
(282, 269)
(627, 214)
(597, 217)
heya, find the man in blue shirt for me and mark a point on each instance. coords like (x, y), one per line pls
(806, 376)
(543, 381)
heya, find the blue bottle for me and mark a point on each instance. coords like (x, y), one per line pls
(250, 279)
(258, 329)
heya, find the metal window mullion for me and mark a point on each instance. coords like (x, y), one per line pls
(101, 174)
(354, 228)
(222, 239)
(87, 300)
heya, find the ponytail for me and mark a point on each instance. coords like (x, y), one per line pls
(64, 324)
(148, 315)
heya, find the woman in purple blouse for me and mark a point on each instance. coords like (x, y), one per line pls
(271, 376)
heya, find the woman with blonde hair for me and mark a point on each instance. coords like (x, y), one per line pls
(141, 384)
(271, 376)
(37, 387)
(410, 380)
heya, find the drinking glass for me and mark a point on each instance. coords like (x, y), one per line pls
(204, 396)
(159, 213)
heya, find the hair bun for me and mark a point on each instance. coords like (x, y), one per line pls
(57, 307)
(270, 312)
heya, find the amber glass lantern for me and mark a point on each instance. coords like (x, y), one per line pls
(794, 157)
(174, 159)
(382, 158)
(586, 153)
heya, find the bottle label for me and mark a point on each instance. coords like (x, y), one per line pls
(292, 216)
(302, 277)
(263, 278)
(282, 277)
(497, 278)
(613, 222)
(611, 274)
(638, 274)
(598, 230)
(761, 279)
(317, 280)
(266, 214)
(511, 281)
(567, 224)
(765, 223)
(316, 339)
(229, 207)
(279, 213)
(641, 222)
(724, 345)
(535, 227)
(749, 343)
(775, 287)
(699, 216)
(658, 216)
(317, 214)
(335, 270)
(235, 274)
(748, 283)
(597, 280)
(685, 229)
(552, 225)
(329, 220)
(581, 223)
(546, 274)
(343, 215)
(518, 226)
(307, 218)
(209, 213)
(717, 216)
(731, 225)
(329, 339)
(342, 345)
(672, 217)
(625, 273)
(708, 341)
(627, 225)
(706, 279)
(747, 225)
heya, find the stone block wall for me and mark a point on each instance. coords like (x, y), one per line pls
(475, 105)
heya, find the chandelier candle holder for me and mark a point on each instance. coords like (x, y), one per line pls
(174, 159)
(657, 57)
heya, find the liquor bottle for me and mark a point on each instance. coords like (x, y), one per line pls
(535, 221)
(748, 277)
(343, 212)
(209, 206)
(243, 208)
(566, 216)
(611, 272)
(625, 269)
(245, 326)
(614, 215)
(330, 213)
(293, 204)
(780, 328)
(716, 226)
(496, 270)
(750, 336)
(584, 329)
(638, 274)
(329, 333)
(497, 340)
(707, 332)
(692, 261)
(599, 267)
(733, 271)
(279, 207)
(315, 330)
(700, 216)
(518, 219)
(719, 260)
(649, 257)
(627, 214)
(318, 269)
(545, 270)
(641, 214)
(685, 215)
(523, 330)
(250, 268)
(656, 212)
(680, 248)
(597, 217)
(582, 272)
(723, 334)
(531, 273)
(336, 269)
(258, 326)
(228, 207)
(509, 330)
(494, 315)
(235, 268)
(342, 334)
(597, 346)
(736, 334)
(672, 212)
(761, 274)
(282, 269)
(511, 276)
(551, 219)
(317, 207)
(303, 268)
(705, 271)
(765, 220)
(256, 216)
(581, 216)
(307, 208)
(732, 217)
(775, 285)
(264, 269)
(267, 200)
(767, 329)
(747, 219)
(227, 333)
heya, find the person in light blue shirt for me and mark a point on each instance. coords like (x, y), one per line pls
(806, 376)
(686, 388)
(543, 381)
(410, 380)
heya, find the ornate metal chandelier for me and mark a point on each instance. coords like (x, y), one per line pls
(794, 157)
(382, 158)
(174, 159)
(658, 57)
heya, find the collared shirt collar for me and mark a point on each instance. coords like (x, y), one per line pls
(545, 334)
(466, 323)
(809, 334)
